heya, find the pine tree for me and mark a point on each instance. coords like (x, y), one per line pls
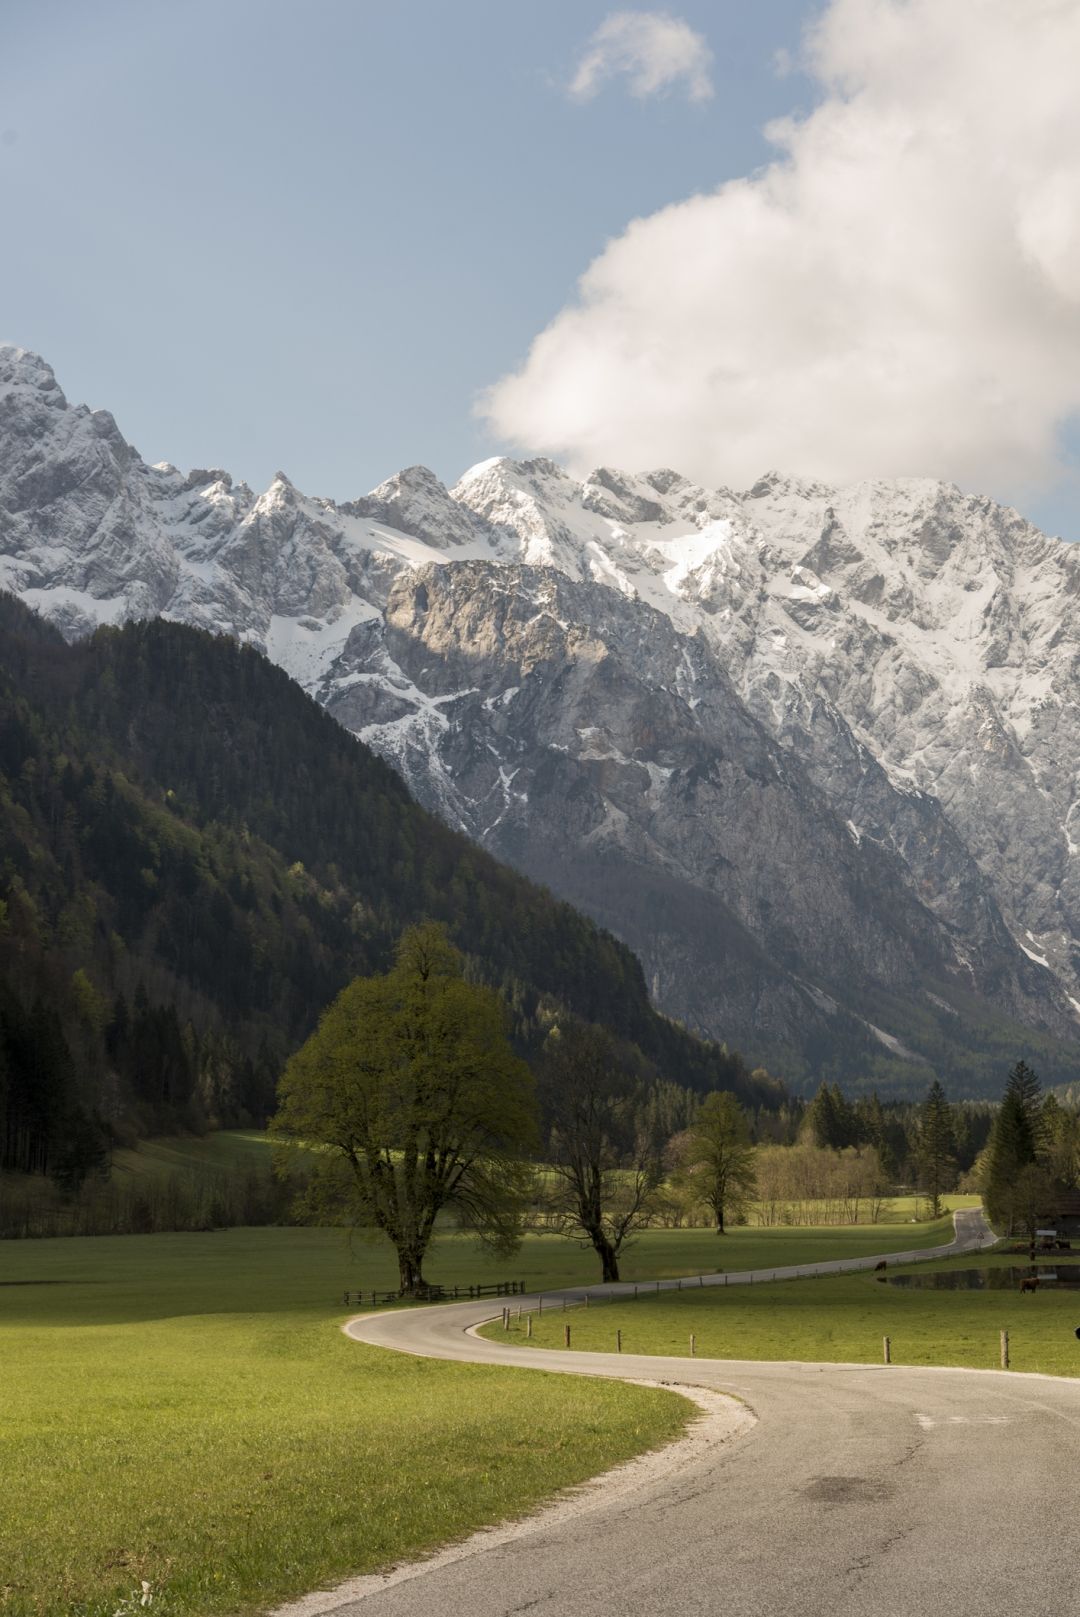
(1015, 1142)
(936, 1147)
(821, 1120)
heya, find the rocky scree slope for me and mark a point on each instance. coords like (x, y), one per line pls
(812, 752)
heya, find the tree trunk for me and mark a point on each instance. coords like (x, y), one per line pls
(412, 1279)
(609, 1260)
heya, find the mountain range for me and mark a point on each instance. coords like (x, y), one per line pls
(194, 858)
(811, 752)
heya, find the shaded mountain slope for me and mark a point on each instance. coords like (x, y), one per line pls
(194, 857)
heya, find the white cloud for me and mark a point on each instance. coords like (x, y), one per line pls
(898, 293)
(652, 50)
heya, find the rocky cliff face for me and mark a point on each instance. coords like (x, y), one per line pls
(812, 752)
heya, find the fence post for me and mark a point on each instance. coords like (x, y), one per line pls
(540, 1303)
(618, 1341)
(1004, 1350)
(566, 1335)
(586, 1299)
(635, 1294)
(693, 1345)
(887, 1347)
(528, 1325)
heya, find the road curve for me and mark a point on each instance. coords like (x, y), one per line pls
(860, 1491)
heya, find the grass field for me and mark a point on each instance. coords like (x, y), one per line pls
(227, 1151)
(184, 1409)
(839, 1319)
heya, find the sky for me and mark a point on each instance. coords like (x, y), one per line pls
(340, 237)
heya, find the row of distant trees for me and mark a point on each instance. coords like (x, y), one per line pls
(427, 1112)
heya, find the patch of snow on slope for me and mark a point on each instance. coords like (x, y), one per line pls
(306, 647)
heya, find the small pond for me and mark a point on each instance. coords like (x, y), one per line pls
(1060, 1277)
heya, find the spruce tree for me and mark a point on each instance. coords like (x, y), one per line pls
(1014, 1146)
(936, 1147)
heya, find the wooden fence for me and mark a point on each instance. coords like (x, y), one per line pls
(435, 1294)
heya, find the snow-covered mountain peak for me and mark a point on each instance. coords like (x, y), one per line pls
(599, 660)
(415, 502)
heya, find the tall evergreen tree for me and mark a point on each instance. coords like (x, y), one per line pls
(936, 1147)
(821, 1120)
(1014, 1147)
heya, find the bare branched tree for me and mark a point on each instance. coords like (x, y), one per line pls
(604, 1154)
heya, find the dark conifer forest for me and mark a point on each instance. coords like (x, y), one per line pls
(195, 858)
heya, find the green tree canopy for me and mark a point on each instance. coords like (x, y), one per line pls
(715, 1165)
(411, 1083)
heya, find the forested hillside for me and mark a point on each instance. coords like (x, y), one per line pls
(194, 857)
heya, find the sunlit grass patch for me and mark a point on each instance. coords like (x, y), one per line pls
(183, 1410)
(836, 1318)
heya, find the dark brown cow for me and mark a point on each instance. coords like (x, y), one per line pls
(881, 1265)
(1030, 1284)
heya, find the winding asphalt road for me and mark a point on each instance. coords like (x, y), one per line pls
(858, 1491)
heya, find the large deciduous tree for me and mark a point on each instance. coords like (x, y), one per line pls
(715, 1159)
(603, 1148)
(410, 1082)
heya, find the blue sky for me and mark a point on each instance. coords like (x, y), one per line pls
(308, 236)
(271, 234)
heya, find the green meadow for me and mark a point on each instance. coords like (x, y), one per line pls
(183, 1409)
(841, 1319)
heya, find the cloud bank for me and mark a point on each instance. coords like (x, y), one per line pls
(898, 293)
(653, 51)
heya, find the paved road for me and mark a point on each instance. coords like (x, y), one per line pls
(858, 1492)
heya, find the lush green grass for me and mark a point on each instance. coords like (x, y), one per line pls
(226, 1151)
(663, 1254)
(207, 1158)
(898, 1209)
(184, 1409)
(839, 1319)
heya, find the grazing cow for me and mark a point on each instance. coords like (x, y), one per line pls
(1030, 1284)
(1064, 1246)
(881, 1265)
